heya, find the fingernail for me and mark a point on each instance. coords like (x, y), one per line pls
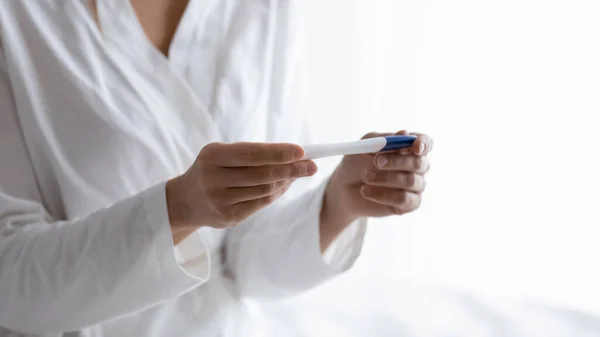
(422, 148)
(369, 175)
(382, 161)
(311, 169)
(366, 191)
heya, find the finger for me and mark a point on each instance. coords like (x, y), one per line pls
(422, 145)
(397, 180)
(400, 201)
(236, 195)
(243, 210)
(261, 175)
(244, 154)
(407, 150)
(375, 134)
(398, 162)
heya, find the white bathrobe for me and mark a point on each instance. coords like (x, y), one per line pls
(94, 120)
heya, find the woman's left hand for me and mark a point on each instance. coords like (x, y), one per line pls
(378, 185)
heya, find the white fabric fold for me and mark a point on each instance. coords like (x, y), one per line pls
(113, 262)
(277, 253)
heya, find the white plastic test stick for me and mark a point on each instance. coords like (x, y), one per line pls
(370, 145)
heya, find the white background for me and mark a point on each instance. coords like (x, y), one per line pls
(510, 91)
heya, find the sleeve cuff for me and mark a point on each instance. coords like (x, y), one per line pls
(189, 262)
(345, 249)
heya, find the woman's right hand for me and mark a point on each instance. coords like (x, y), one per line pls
(229, 182)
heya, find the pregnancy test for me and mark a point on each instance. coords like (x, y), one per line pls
(371, 145)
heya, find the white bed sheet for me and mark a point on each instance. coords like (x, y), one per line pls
(423, 311)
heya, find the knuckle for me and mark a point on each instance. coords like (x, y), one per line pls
(265, 189)
(251, 156)
(290, 171)
(269, 188)
(396, 162)
(206, 150)
(279, 155)
(266, 175)
(301, 169)
(245, 156)
(370, 135)
(410, 180)
(268, 200)
(282, 172)
(206, 153)
(294, 170)
(426, 165)
(420, 184)
(281, 185)
(401, 198)
(418, 164)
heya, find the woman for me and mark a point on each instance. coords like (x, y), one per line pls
(112, 224)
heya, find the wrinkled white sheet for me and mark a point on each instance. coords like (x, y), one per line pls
(425, 311)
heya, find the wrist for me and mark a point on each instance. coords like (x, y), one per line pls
(180, 212)
(335, 216)
(335, 210)
(181, 219)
